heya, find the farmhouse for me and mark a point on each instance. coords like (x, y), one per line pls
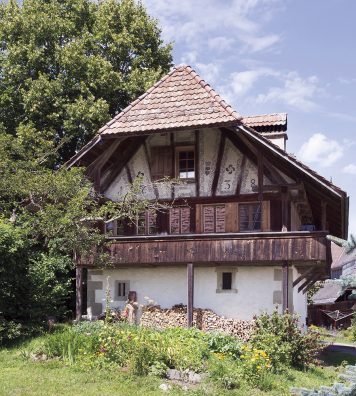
(247, 229)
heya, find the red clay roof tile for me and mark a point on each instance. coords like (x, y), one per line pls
(181, 99)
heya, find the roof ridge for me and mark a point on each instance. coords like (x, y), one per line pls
(266, 114)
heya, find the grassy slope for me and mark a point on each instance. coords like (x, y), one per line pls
(19, 376)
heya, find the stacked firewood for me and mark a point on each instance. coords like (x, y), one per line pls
(203, 319)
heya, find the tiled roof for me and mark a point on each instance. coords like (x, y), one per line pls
(267, 122)
(179, 100)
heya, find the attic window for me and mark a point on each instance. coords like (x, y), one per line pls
(185, 162)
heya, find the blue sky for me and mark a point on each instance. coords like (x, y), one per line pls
(265, 56)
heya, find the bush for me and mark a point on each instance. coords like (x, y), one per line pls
(225, 344)
(9, 331)
(281, 337)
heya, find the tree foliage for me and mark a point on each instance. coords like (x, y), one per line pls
(68, 66)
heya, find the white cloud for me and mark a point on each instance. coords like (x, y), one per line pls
(256, 44)
(320, 150)
(221, 43)
(218, 23)
(296, 92)
(350, 169)
(242, 82)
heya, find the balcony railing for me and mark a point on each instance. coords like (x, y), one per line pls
(248, 248)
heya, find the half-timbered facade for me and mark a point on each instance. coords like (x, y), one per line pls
(247, 228)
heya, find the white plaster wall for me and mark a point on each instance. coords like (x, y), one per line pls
(168, 286)
(230, 170)
(119, 187)
(250, 178)
(209, 140)
(299, 301)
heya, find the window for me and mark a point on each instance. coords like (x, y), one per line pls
(122, 289)
(214, 218)
(227, 280)
(115, 227)
(179, 220)
(146, 223)
(250, 217)
(185, 162)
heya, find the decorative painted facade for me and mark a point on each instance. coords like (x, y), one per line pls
(246, 229)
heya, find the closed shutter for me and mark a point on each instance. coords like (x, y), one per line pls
(174, 217)
(208, 219)
(214, 218)
(220, 218)
(180, 221)
(161, 162)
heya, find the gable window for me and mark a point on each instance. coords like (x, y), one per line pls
(214, 218)
(179, 220)
(146, 223)
(185, 162)
(122, 289)
(250, 217)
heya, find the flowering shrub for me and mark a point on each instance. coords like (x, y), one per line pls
(281, 337)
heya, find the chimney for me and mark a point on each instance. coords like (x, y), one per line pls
(271, 126)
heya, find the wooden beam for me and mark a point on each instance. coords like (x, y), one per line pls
(323, 215)
(313, 277)
(197, 163)
(260, 175)
(303, 275)
(218, 163)
(79, 292)
(285, 286)
(241, 175)
(134, 144)
(190, 283)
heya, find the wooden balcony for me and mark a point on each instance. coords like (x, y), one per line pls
(298, 248)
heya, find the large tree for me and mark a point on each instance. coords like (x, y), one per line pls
(68, 66)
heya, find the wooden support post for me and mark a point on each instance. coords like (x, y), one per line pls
(190, 305)
(285, 286)
(285, 213)
(323, 216)
(79, 292)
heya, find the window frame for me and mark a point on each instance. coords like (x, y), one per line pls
(146, 225)
(126, 284)
(219, 280)
(250, 214)
(177, 151)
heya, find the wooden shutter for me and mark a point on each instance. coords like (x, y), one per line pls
(209, 218)
(161, 162)
(220, 218)
(185, 220)
(174, 219)
(180, 221)
(214, 218)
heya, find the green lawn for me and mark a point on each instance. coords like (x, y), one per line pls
(20, 376)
